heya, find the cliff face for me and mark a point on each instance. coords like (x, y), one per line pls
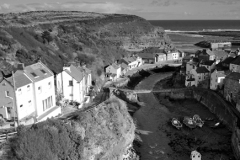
(104, 132)
(60, 37)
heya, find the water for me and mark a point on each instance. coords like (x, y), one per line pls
(197, 25)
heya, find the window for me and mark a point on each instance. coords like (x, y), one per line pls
(70, 83)
(19, 91)
(30, 103)
(49, 84)
(47, 103)
(34, 74)
(28, 88)
(21, 106)
(43, 71)
(39, 89)
(7, 93)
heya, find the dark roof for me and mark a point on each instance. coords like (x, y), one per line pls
(234, 76)
(207, 63)
(228, 60)
(75, 73)
(146, 55)
(202, 70)
(236, 61)
(153, 50)
(37, 72)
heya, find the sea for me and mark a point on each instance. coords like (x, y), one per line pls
(176, 29)
(197, 25)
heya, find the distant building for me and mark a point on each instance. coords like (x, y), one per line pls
(235, 65)
(192, 64)
(113, 71)
(208, 64)
(160, 57)
(217, 79)
(147, 58)
(220, 44)
(197, 75)
(232, 87)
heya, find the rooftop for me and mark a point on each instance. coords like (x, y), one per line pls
(20, 80)
(146, 55)
(207, 63)
(202, 70)
(234, 76)
(75, 73)
(236, 61)
(37, 72)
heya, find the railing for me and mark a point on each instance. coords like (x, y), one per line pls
(4, 137)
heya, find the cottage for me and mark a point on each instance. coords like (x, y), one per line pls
(160, 57)
(232, 87)
(205, 55)
(7, 102)
(208, 64)
(113, 71)
(235, 65)
(199, 74)
(43, 91)
(72, 82)
(192, 64)
(147, 58)
(217, 79)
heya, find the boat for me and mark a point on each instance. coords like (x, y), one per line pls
(189, 122)
(198, 120)
(176, 123)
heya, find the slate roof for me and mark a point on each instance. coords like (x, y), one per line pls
(20, 80)
(236, 61)
(124, 65)
(75, 73)
(207, 63)
(220, 54)
(115, 66)
(37, 72)
(234, 76)
(202, 70)
(146, 55)
(228, 60)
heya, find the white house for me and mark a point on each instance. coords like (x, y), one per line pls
(133, 62)
(88, 78)
(191, 65)
(71, 82)
(113, 69)
(197, 75)
(217, 78)
(43, 91)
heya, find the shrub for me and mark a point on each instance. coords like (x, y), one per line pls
(85, 59)
(46, 35)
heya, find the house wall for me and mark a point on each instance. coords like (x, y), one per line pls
(25, 101)
(169, 56)
(160, 58)
(234, 68)
(189, 67)
(118, 72)
(175, 55)
(199, 76)
(231, 89)
(70, 92)
(6, 102)
(59, 81)
(132, 65)
(43, 94)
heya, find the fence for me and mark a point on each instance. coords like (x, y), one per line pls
(4, 137)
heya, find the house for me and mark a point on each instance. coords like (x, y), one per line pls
(24, 98)
(124, 67)
(217, 79)
(232, 87)
(220, 44)
(72, 82)
(113, 71)
(235, 65)
(192, 64)
(199, 74)
(225, 64)
(6, 103)
(147, 58)
(219, 55)
(88, 77)
(169, 56)
(133, 62)
(208, 64)
(205, 55)
(43, 91)
(160, 57)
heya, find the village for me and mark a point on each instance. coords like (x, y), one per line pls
(33, 93)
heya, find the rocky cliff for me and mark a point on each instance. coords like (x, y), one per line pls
(58, 37)
(104, 132)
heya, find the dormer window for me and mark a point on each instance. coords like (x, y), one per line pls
(43, 71)
(34, 74)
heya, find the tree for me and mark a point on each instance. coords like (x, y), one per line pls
(46, 35)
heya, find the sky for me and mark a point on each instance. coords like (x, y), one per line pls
(148, 9)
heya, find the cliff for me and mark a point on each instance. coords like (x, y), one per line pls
(58, 37)
(104, 132)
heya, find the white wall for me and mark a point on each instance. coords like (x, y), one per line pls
(46, 91)
(25, 98)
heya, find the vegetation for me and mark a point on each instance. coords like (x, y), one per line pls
(50, 140)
